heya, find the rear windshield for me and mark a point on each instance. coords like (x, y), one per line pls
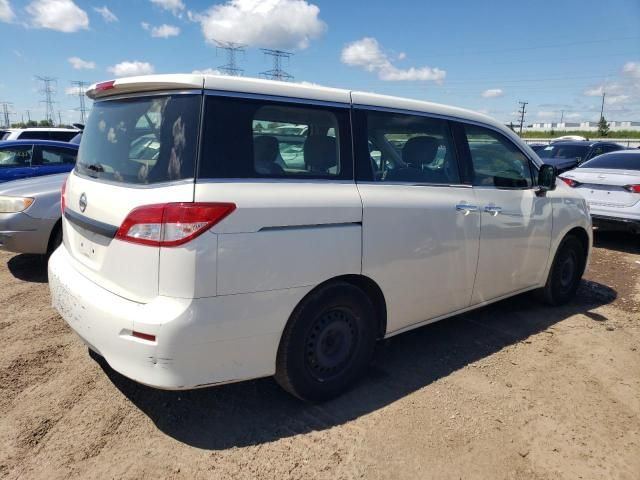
(141, 140)
(615, 161)
(563, 151)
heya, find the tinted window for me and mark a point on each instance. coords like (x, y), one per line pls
(15, 156)
(252, 139)
(57, 156)
(616, 161)
(4, 134)
(61, 136)
(34, 135)
(496, 161)
(408, 148)
(141, 140)
(558, 150)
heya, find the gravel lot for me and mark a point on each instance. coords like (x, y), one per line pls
(514, 390)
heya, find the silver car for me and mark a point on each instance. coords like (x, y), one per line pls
(30, 214)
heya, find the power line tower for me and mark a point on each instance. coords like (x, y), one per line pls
(522, 111)
(48, 89)
(80, 91)
(232, 50)
(6, 113)
(277, 73)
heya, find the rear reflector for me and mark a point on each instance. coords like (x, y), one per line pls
(570, 182)
(144, 336)
(632, 188)
(171, 224)
(105, 86)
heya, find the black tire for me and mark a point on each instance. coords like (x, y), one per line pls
(565, 274)
(55, 240)
(328, 342)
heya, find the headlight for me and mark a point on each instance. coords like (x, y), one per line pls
(14, 204)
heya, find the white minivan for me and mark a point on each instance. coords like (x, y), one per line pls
(205, 244)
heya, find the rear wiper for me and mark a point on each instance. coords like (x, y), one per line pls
(96, 167)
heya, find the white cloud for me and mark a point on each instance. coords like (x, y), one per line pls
(107, 15)
(366, 53)
(285, 24)
(174, 6)
(546, 115)
(61, 15)
(131, 69)
(161, 31)
(492, 93)
(632, 69)
(80, 64)
(73, 91)
(207, 71)
(6, 12)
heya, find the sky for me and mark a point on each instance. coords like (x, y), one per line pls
(486, 56)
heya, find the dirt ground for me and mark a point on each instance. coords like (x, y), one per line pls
(514, 390)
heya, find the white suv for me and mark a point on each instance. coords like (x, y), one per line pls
(201, 247)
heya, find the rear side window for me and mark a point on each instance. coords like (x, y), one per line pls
(56, 156)
(61, 136)
(496, 161)
(615, 161)
(141, 140)
(16, 157)
(408, 148)
(34, 135)
(245, 138)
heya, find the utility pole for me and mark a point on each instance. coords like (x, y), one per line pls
(231, 49)
(277, 73)
(48, 90)
(80, 90)
(602, 107)
(522, 112)
(561, 115)
(28, 116)
(59, 119)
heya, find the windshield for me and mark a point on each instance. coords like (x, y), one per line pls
(141, 140)
(569, 152)
(615, 161)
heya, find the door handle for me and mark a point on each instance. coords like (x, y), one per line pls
(492, 210)
(467, 209)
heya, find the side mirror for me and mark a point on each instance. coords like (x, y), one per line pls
(547, 178)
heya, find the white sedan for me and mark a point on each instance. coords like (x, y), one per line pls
(611, 185)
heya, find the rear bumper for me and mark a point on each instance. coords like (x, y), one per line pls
(606, 221)
(199, 342)
(24, 234)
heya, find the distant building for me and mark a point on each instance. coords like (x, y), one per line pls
(587, 126)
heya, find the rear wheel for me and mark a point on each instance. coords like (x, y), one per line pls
(55, 240)
(566, 272)
(327, 343)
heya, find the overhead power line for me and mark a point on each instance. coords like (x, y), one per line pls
(232, 50)
(277, 73)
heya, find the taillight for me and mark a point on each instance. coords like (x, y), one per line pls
(171, 224)
(63, 196)
(572, 183)
(632, 188)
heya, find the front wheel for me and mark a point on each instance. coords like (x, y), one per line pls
(566, 272)
(327, 343)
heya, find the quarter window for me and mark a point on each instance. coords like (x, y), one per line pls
(253, 138)
(497, 162)
(57, 156)
(410, 148)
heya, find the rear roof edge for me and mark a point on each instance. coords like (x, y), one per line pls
(147, 83)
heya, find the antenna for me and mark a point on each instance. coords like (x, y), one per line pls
(80, 91)
(48, 90)
(231, 49)
(277, 73)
